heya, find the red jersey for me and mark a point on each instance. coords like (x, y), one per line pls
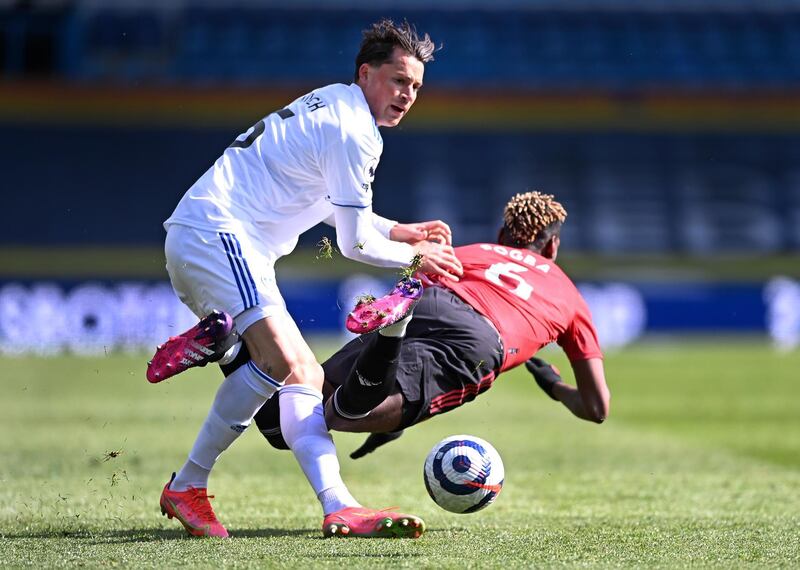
(529, 300)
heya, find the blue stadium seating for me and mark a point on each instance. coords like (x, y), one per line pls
(691, 192)
(544, 49)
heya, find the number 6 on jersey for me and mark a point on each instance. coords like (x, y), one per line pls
(502, 273)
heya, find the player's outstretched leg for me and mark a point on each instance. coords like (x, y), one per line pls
(372, 314)
(372, 523)
(205, 342)
(193, 509)
(371, 381)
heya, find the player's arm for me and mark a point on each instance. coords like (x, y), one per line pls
(417, 234)
(434, 230)
(347, 163)
(358, 239)
(590, 400)
(374, 441)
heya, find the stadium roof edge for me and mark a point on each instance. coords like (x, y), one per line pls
(481, 5)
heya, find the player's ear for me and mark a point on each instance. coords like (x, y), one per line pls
(550, 249)
(363, 72)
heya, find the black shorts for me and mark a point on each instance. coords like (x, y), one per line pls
(450, 355)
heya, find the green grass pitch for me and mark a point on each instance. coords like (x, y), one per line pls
(698, 465)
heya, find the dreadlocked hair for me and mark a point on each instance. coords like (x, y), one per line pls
(532, 218)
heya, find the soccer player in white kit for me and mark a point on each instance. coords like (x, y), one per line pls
(310, 162)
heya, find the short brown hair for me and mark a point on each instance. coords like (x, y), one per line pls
(378, 43)
(531, 219)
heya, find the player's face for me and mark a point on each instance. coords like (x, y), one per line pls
(390, 89)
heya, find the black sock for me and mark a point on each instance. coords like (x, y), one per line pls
(268, 420)
(372, 379)
(241, 359)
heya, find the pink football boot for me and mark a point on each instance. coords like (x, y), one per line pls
(193, 509)
(360, 522)
(205, 342)
(372, 314)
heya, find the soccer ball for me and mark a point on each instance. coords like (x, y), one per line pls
(463, 474)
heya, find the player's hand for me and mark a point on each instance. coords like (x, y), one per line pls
(545, 374)
(435, 230)
(374, 441)
(438, 259)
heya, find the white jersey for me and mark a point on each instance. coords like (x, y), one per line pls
(287, 173)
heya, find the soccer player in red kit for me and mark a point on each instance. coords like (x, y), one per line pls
(511, 300)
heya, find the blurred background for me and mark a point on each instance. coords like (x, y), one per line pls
(669, 129)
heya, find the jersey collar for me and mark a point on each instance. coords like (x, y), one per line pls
(360, 96)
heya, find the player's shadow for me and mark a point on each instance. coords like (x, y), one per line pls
(149, 535)
(142, 535)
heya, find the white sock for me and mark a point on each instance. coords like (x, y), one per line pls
(192, 475)
(304, 429)
(398, 329)
(336, 499)
(233, 409)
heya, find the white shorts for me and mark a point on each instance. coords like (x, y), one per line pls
(220, 270)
